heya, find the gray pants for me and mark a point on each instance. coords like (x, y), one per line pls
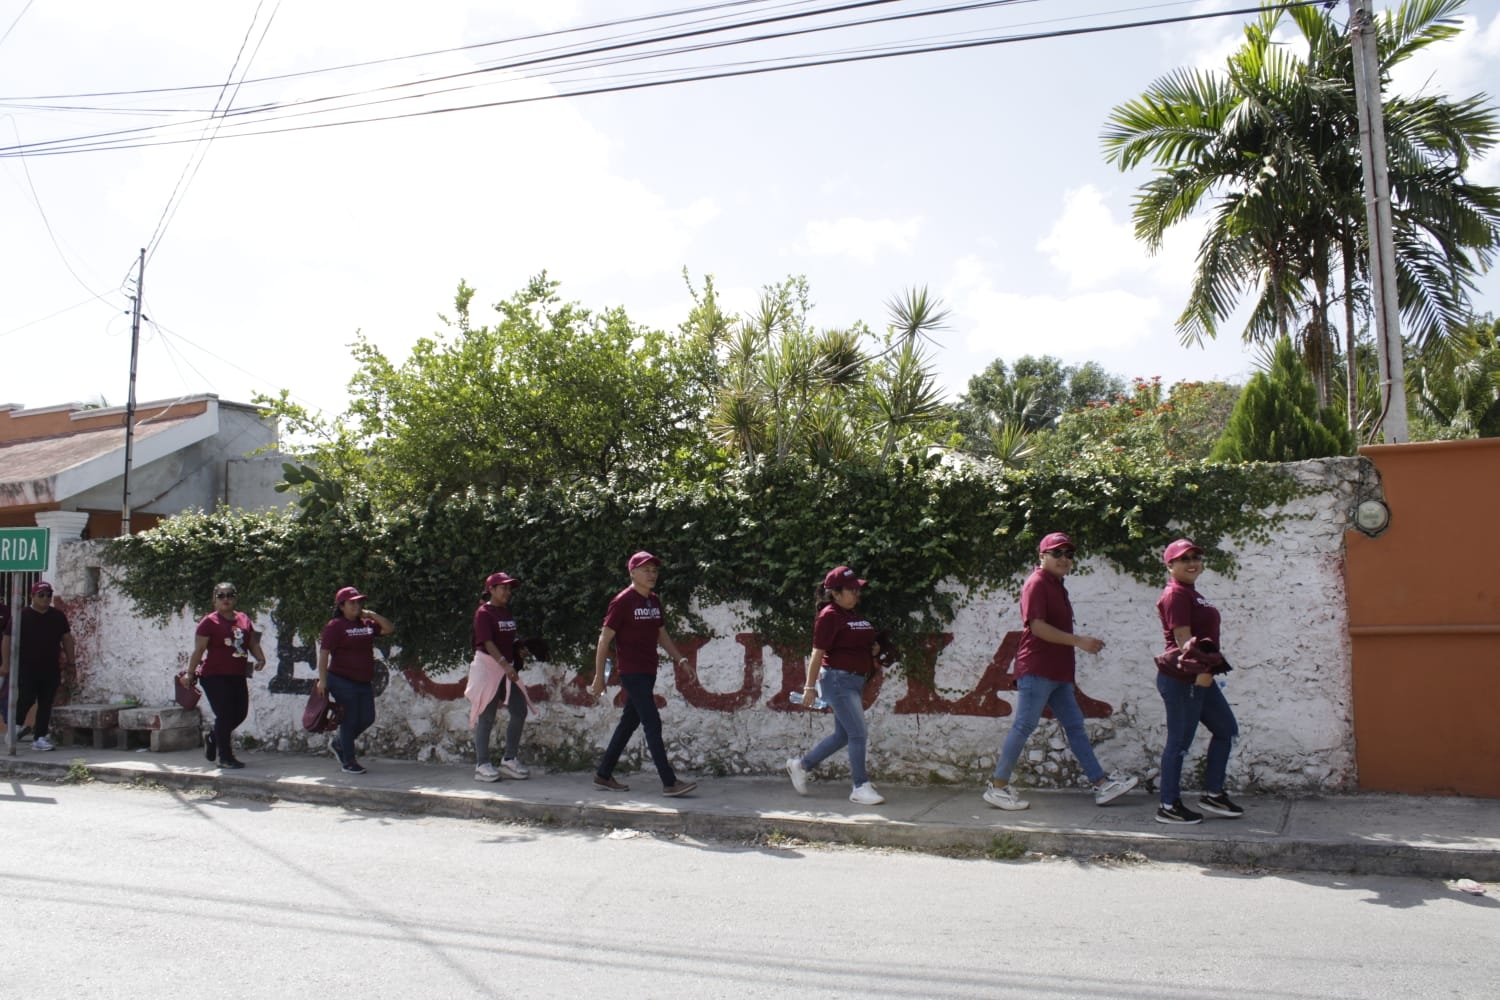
(486, 723)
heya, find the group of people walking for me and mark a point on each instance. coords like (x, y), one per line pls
(846, 654)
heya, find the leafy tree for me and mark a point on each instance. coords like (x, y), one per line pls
(1005, 406)
(1146, 427)
(785, 389)
(552, 391)
(1270, 144)
(1277, 418)
(1455, 388)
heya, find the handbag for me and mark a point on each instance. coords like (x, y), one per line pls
(186, 693)
(321, 714)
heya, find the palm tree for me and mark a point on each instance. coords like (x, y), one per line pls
(1270, 146)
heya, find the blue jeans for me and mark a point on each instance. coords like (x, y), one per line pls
(640, 712)
(358, 699)
(1035, 693)
(1187, 705)
(845, 694)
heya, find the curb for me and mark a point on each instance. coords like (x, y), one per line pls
(1336, 856)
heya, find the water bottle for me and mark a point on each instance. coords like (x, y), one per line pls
(609, 668)
(796, 699)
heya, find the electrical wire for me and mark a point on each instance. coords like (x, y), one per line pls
(778, 64)
(200, 153)
(16, 21)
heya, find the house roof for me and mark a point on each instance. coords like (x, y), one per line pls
(48, 470)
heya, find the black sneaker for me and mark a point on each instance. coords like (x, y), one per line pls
(354, 767)
(1177, 814)
(231, 763)
(1219, 805)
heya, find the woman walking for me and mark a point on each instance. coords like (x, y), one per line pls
(494, 681)
(346, 669)
(843, 659)
(223, 644)
(1185, 679)
(1044, 678)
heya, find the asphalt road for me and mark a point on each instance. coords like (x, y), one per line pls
(115, 891)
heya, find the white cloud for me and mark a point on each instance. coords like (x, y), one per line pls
(1092, 248)
(861, 239)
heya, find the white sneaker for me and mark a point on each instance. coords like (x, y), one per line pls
(513, 768)
(799, 774)
(486, 772)
(866, 795)
(1005, 797)
(42, 743)
(1117, 785)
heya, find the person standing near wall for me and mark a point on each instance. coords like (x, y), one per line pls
(843, 656)
(494, 681)
(45, 637)
(346, 669)
(4, 661)
(1044, 678)
(223, 644)
(1188, 689)
(636, 626)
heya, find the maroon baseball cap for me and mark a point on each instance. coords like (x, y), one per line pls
(1056, 540)
(1178, 549)
(499, 580)
(642, 558)
(41, 585)
(842, 578)
(348, 594)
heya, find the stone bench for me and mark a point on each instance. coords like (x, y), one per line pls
(72, 722)
(165, 728)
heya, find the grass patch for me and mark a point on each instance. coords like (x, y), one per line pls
(1005, 847)
(78, 773)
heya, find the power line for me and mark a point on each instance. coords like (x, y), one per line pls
(759, 67)
(16, 21)
(195, 160)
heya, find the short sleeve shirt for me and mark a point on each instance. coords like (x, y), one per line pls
(41, 639)
(1181, 605)
(497, 625)
(637, 622)
(351, 647)
(846, 636)
(228, 644)
(1044, 597)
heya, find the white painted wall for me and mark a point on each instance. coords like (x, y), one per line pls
(1285, 629)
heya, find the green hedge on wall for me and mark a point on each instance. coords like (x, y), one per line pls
(760, 537)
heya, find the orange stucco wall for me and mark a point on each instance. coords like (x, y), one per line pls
(1424, 622)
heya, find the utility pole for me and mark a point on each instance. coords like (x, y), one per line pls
(1385, 309)
(135, 346)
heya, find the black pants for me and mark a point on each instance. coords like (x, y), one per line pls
(230, 699)
(640, 713)
(37, 687)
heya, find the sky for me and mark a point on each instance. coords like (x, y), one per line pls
(977, 173)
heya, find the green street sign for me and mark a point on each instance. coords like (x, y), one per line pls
(23, 550)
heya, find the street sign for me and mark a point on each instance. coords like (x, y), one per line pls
(23, 550)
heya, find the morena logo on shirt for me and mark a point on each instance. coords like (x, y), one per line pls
(360, 630)
(859, 623)
(653, 613)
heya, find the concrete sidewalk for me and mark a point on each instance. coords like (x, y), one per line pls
(1371, 834)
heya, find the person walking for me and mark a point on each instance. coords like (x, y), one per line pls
(45, 637)
(495, 681)
(843, 660)
(346, 669)
(223, 644)
(635, 625)
(1191, 696)
(1044, 678)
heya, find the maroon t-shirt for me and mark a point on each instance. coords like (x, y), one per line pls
(1181, 605)
(846, 636)
(228, 644)
(351, 647)
(497, 625)
(1044, 596)
(637, 621)
(41, 640)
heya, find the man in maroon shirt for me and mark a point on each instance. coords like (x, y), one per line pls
(636, 626)
(1044, 678)
(45, 636)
